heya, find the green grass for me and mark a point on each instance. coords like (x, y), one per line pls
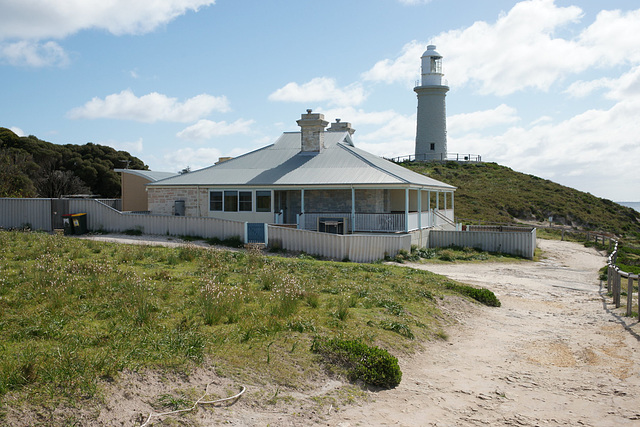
(75, 312)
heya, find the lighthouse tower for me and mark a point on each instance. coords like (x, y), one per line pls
(431, 132)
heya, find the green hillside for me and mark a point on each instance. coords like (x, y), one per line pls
(489, 192)
(31, 167)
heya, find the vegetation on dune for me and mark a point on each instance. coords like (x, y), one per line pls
(489, 192)
(30, 167)
(73, 312)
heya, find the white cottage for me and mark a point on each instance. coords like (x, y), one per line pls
(315, 179)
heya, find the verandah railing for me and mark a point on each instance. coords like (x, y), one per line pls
(370, 222)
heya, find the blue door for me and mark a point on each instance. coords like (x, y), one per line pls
(255, 232)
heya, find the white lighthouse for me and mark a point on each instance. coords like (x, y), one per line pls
(431, 132)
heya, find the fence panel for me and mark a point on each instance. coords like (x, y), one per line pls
(103, 217)
(16, 213)
(355, 247)
(520, 244)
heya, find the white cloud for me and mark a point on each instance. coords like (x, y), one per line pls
(580, 88)
(359, 117)
(502, 114)
(613, 38)
(395, 137)
(575, 152)
(412, 2)
(521, 49)
(625, 87)
(195, 159)
(150, 108)
(405, 68)
(207, 129)
(541, 119)
(41, 19)
(33, 54)
(17, 131)
(320, 89)
(131, 147)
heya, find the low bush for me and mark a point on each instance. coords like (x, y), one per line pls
(484, 296)
(231, 242)
(372, 365)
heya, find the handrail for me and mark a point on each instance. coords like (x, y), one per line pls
(443, 217)
(455, 157)
(614, 273)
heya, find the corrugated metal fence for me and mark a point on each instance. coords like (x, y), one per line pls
(355, 247)
(39, 215)
(515, 243)
(102, 217)
(32, 213)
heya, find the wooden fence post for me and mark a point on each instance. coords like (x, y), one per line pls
(609, 277)
(616, 289)
(629, 295)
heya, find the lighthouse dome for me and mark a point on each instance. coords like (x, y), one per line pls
(431, 51)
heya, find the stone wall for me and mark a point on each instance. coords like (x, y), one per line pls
(162, 200)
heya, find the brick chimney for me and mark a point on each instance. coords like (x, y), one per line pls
(339, 126)
(312, 128)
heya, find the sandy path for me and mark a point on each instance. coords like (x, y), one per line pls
(553, 354)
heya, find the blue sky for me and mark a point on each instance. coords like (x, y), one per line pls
(550, 88)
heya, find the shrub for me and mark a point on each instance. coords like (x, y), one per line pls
(447, 255)
(232, 242)
(484, 296)
(372, 365)
(133, 232)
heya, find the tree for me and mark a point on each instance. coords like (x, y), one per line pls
(92, 164)
(56, 183)
(14, 179)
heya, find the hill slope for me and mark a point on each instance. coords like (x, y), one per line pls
(31, 167)
(493, 193)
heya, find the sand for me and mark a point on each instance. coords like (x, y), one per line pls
(555, 353)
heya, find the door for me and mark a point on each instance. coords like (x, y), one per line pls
(59, 207)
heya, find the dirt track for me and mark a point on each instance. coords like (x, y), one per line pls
(553, 354)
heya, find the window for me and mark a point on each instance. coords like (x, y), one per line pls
(239, 201)
(433, 147)
(263, 201)
(231, 201)
(215, 200)
(244, 201)
(436, 64)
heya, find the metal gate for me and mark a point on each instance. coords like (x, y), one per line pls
(59, 207)
(256, 232)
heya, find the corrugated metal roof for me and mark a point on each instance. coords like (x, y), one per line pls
(283, 164)
(150, 175)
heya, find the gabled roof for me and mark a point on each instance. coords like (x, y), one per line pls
(150, 175)
(283, 164)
